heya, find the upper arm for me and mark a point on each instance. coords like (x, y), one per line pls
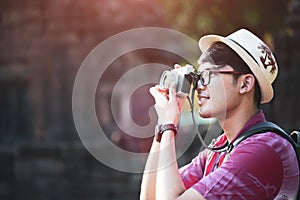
(193, 172)
(191, 194)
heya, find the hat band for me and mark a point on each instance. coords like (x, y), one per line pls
(245, 51)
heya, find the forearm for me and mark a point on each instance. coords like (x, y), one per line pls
(166, 182)
(148, 186)
(169, 183)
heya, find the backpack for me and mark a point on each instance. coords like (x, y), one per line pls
(293, 138)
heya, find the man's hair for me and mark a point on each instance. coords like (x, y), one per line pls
(220, 54)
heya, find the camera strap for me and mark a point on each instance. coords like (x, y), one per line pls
(196, 129)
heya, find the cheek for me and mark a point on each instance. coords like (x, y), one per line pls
(219, 101)
(232, 97)
(218, 96)
(222, 94)
(217, 90)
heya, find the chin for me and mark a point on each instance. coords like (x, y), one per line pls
(204, 114)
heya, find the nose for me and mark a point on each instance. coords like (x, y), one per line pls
(200, 86)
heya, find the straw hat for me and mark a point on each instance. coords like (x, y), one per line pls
(256, 54)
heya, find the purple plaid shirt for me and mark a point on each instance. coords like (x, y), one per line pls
(263, 166)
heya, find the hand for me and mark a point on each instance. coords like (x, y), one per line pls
(168, 105)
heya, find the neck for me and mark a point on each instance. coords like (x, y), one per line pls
(235, 120)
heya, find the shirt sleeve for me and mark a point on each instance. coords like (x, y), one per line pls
(193, 172)
(253, 171)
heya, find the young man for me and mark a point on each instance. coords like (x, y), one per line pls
(235, 76)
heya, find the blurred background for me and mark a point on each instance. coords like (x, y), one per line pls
(43, 44)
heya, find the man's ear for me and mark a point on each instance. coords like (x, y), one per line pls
(247, 83)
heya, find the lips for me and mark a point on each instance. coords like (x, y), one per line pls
(202, 98)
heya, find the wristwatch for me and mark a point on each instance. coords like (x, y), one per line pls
(161, 128)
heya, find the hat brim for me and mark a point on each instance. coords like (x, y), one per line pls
(266, 88)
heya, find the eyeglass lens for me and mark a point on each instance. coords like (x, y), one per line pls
(204, 77)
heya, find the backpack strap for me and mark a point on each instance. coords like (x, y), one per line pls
(295, 135)
(264, 127)
(260, 128)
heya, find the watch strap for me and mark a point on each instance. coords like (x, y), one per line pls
(161, 128)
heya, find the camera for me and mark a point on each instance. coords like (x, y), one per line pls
(183, 76)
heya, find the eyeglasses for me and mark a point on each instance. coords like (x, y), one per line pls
(205, 75)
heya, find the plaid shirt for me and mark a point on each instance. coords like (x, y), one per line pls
(263, 166)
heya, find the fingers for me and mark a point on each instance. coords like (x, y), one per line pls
(158, 96)
(160, 113)
(170, 95)
(176, 66)
(168, 103)
(167, 93)
(172, 92)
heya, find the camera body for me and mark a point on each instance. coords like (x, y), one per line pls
(183, 76)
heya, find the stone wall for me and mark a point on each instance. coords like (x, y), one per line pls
(284, 108)
(60, 171)
(42, 46)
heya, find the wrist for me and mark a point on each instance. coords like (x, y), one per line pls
(167, 121)
(161, 128)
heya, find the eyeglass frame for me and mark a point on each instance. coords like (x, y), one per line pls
(210, 72)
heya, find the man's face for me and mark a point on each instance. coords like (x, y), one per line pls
(219, 96)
